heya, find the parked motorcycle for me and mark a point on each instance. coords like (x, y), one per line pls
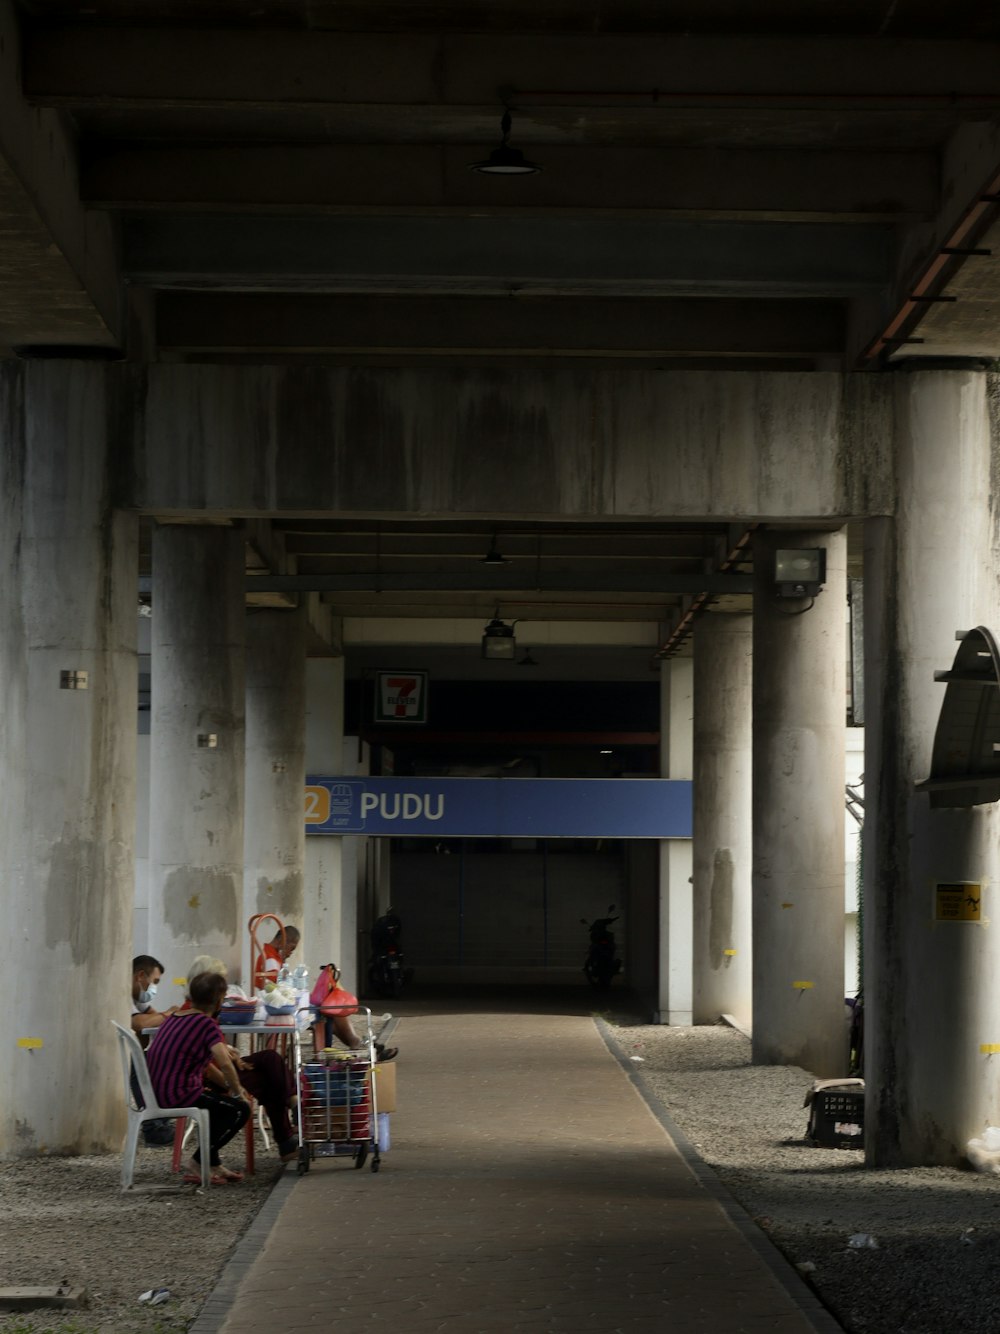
(601, 963)
(385, 967)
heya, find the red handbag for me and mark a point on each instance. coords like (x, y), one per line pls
(329, 997)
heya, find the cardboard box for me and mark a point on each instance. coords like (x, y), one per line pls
(385, 1087)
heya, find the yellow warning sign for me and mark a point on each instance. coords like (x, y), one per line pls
(958, 901)
(29, 1044)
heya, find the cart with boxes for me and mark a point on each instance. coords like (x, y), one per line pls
(339, 1103)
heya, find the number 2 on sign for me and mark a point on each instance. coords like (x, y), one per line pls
(317, 805)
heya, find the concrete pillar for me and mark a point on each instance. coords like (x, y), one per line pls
(723, 955)
(932, 988)
(140, 923)
(676, 709)
(799, 708)
(274, 840)
(325, 940)
(197, 750)
(68, 596)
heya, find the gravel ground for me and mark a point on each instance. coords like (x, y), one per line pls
(66, 1219)
(937, 1230)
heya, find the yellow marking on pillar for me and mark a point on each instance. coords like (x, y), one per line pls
(788, 905)
(802, 986)
(729, 952)
(180, 981)
(29, 1044)
(194, 901)
(989, 1048)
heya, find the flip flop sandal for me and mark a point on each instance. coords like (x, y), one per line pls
(194, 1179)
(387, 1053)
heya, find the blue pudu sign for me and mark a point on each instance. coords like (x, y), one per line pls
(499, 807)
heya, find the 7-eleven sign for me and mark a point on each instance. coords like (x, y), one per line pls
(401, 697)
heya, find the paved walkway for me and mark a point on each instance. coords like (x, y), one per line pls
(528, 1188)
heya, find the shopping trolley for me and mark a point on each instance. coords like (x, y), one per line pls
(337, 1104)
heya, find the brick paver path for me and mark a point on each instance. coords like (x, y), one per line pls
(528, 1188)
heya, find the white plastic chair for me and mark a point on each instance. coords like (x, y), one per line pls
(134, 1058)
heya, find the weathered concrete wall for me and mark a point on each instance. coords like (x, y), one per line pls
(799, 700)
(721, 825)
(274, 833)
(932, 989)
(329, 863)
(68, 569)
(561, 442)
(196, 790)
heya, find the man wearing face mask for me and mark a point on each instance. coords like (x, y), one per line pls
(146, 973)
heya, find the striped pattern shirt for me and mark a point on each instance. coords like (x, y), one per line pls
(178, 1055)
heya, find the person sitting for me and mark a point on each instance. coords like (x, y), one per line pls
(271, 959)
(146, 974)
(177, 1056)
(264, 1075)
(332, 1008)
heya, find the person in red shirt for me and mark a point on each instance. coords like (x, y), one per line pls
(271, 959)
(184, 1044)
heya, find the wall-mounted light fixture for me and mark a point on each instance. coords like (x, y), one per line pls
(799, 572)
(498, 639)
(504, 160)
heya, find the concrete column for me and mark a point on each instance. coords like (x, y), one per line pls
(68, 596)
(799, 709)
(325, 940)
(723, 955)
(197, 750)
(676, 709)
(274, 840)
(140, 923)
(932, 988)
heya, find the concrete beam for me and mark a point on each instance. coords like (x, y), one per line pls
(544, 326)
(484, 256)
(172, 67)
(58, 271)
(768, 182)
(561, 443)
(645, 580)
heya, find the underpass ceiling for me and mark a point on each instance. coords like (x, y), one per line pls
(774, 184)
(729, 183)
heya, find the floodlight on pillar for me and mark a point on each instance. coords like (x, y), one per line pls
(799, 572)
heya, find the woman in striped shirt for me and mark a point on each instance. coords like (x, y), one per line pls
(184, 1044)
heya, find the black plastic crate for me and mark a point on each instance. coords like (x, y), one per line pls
(837, 1118)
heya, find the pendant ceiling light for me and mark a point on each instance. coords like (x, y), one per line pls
(498, 639)
(505, 161)
(494, 556)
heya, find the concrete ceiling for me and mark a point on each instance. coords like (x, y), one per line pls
(725, 183)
